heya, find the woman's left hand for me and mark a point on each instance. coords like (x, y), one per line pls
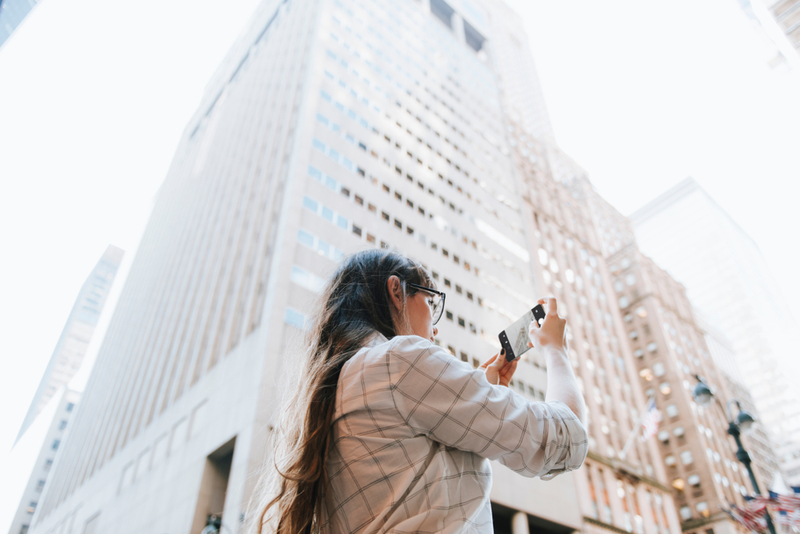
(498, 370)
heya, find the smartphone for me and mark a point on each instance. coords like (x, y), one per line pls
(514, 339)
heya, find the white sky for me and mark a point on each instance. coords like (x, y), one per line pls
(94, 96)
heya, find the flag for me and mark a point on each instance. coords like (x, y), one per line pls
(787, 507)
(751, 519)
(650, 420)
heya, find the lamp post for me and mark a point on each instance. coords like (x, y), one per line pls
(743, 421)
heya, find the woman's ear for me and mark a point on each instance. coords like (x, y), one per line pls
(395, 293)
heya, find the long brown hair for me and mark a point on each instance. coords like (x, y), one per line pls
(354, 305)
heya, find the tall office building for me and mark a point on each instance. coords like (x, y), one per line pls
(77, 333)
(617, 492)
(53, 421)
(670, 345)
(728, 280)
(330, 127)
(12, 12)
(777, 24)
(334, 126)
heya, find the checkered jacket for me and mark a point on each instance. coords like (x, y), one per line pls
(413, 433)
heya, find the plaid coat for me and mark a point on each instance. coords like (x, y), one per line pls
(414, 430)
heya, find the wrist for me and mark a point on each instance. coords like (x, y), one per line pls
(553, 350)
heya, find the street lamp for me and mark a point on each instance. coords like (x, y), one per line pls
(743, 422)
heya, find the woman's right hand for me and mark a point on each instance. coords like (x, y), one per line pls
(552, 335)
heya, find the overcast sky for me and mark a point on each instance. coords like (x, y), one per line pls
(94, 96)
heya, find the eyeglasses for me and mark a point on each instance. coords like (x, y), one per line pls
(436, 301)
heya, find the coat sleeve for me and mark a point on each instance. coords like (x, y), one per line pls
(448, 401)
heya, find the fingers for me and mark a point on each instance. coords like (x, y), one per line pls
(488, 362)
(550, 305)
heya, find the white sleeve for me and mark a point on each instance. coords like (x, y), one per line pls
(445, 399)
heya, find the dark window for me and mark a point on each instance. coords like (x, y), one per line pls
(385, 216)
(447, 282)
(70, 406)
(359, 200)
(398, 224)
(48, 464)
(458, 289)
(56, 443)
(398, 196)
(449, 315)
(464, 357)
(469, 295)
(461, 322)
(62, 425)
(346, 192)
(442, 11)
(357, 230)
(372, 208)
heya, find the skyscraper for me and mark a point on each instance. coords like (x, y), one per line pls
(12, 12)
(728, 280)
(334, 126)
(330, 127)
(77, 333)
(47, 440)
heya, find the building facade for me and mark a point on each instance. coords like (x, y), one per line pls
(12, 13)
(56, 417)
(77, 333)
(330, 127)
(334, 126)
(727, 279)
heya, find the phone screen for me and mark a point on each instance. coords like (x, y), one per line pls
(514, 338)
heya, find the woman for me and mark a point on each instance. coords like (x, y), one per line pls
(390, 433)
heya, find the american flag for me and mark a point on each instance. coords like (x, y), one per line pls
(787, 507)
(751, 515)
(650, 420)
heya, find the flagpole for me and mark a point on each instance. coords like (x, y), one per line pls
(635, 430)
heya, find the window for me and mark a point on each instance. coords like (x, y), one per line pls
(663, 436)
(62, 425)
(672, 410)
(623, 302)
(473, 38)
(442, 11)
(70, 406)
(56, 443)
(39, 485)
(686, 513)
(461, 322)
(669, 460)
(48, 464)
(652, 347)
(449, 315)
(694, 480)
(686, 457)
(658, 369)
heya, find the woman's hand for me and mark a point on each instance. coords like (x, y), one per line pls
(552, 334)
(498, 370)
